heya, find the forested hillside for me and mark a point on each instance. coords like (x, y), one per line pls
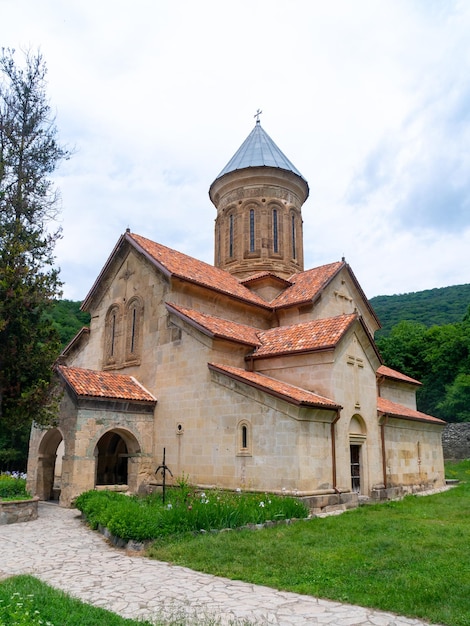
(67, 319)
(432, 307)
(427, 336)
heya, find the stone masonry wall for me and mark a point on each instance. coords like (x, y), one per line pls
(456, 441)
(18, 511)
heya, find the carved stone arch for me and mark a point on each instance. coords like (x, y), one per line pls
(114, 451)
(134, 329)
(357, 428)
(113, 335)
(49, 465)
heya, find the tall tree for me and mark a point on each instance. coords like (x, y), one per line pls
(29, 154)
(403, 348)
(439, 357)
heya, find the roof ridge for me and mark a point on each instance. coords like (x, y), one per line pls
(395, 409)
(180, 265)
(312, 335)
(273, 386)
(389, 372)
(103, 384)
(216, 326)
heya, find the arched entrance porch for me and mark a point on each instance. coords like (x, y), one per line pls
(49, 468)
(115, 454)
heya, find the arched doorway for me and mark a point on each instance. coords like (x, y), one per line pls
(357, 439)
(113, 453)
(49, 473)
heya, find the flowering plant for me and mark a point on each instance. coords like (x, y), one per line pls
(186, 510)
(13, 486)
(18, 611)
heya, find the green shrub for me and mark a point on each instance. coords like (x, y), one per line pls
(12, 486)
(185, 510)
(98, 506)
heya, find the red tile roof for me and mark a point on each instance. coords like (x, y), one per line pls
(307, 285)
(179, 265)
(265, 276)
(289, 393)
(94, 384)
(387, 407)
(217, 326)
(306, 337)
(388, 372)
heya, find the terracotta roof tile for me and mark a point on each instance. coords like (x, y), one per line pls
(307, 285)
(91, 383)
(192, 270)
(262, 276)
(388, 372)
(305, 337)
(387, 407)
(217, 326)
(290, 393)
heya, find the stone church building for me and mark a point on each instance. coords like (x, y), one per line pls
(253, 373)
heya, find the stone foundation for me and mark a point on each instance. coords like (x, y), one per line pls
(331, 502)
(395, 493)
(15, 511)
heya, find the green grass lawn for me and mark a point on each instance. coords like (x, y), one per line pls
(411, 557)
(25, 601)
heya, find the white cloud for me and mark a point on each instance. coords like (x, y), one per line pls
(369, 99)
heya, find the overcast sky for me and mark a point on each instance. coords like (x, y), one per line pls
(370, 99)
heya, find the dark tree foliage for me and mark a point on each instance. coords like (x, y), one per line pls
(439, 357)
(402, 348)
(29, 282)
(67, 319)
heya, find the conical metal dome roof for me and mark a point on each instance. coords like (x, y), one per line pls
(259, 150)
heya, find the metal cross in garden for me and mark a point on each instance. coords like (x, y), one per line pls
(163, 468)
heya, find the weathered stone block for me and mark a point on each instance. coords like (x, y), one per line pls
(18, 511)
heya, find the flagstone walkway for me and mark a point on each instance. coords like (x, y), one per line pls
(59, 549)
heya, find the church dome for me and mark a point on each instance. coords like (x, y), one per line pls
(259, 196)
(259, 150)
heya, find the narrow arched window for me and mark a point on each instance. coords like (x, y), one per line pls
(133, 328)
(252, 230)
(112, 336)
(294, 250)
(275, 232)
(230, 245)
(112, 347)
(244, 438)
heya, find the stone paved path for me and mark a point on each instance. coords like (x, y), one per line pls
(60, 550)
